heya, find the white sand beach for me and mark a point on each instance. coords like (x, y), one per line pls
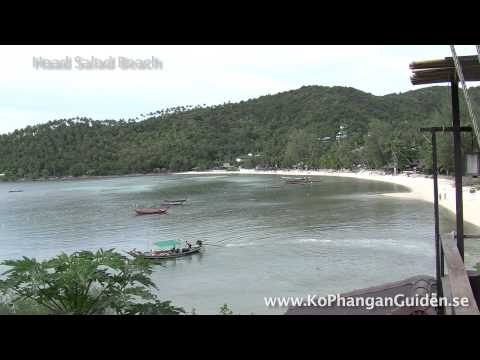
(421, 187)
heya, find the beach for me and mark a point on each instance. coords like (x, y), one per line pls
(420, 187)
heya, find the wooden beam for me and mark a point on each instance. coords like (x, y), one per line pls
(459, 284)
(427, 81)
(471, 236)
(438, 71)
(443, 76)
(446, 73)
(446, 69)
(419, 81)
(469, 60)
(445, 129)
(447, 292)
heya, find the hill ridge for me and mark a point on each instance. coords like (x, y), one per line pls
(286, 129)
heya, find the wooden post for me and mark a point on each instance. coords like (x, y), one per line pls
(457, 149)
(438, 246)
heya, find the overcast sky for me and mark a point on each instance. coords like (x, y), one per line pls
(192, 75)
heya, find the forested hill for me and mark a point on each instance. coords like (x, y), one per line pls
(328, 127)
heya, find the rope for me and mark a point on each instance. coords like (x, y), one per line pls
(212, 244)
(218, 242)
(426, 138)
(458, 67)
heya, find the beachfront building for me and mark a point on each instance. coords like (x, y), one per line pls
(342, 133)
(229, 167)
(249, 161)
(415, 166)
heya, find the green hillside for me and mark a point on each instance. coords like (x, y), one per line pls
(328, 127)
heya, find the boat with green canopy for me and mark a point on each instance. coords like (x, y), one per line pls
(168, 249)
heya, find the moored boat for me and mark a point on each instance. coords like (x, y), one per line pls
(150, 211)
(300, 180)
(174, 202)
(297, 182)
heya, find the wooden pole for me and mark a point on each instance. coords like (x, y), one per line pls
(438, 245)
(457, 149)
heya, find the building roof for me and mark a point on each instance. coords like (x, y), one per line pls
(443, 70)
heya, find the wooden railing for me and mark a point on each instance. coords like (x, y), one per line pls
(455, 284)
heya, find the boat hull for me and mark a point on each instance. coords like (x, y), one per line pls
(153, 211)
(174, 202)
(167, 256)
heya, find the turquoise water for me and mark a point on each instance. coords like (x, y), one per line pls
(336, 235)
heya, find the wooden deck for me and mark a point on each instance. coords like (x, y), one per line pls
(417, 285)
(456, 283)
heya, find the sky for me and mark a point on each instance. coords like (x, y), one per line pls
(192, 75)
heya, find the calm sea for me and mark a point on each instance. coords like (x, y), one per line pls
(274, 240)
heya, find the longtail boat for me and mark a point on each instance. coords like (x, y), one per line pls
(300, 180)
(174, 202)
(172, 253)
(150, 211)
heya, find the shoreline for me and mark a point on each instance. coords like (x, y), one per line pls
(419, 186)
(84, 177)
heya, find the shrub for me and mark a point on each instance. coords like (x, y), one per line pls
(85, 283)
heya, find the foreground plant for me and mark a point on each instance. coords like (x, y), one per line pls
(225, 310)
(25, 307)
(86, 283)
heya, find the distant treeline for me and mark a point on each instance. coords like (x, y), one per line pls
(320, 127)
